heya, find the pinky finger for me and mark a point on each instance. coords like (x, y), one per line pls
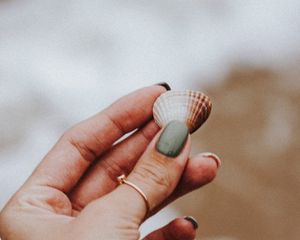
(178, 229)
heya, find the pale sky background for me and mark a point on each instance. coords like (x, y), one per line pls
(62, 61)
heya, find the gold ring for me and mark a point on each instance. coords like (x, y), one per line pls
(123, 180)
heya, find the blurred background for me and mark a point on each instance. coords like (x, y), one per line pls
(62, 61)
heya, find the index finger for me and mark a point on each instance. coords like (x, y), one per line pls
(64, 165)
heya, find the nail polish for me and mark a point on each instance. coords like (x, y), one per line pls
(172, 139)
(193, 221)
(165, 85)
(214, 157)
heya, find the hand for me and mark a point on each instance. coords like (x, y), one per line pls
(74, 192)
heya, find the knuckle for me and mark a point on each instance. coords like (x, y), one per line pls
(155, 174)
(72, 137)
(84, 150)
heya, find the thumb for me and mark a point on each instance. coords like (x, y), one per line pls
(156, 174)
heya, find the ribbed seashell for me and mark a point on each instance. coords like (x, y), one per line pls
(190, 107)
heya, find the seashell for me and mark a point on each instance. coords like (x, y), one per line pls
(190, 107)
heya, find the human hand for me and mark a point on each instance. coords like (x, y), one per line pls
(74, 192)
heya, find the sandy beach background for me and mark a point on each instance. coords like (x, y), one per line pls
(62, 61)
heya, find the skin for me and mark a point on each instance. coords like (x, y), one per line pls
(74, 193)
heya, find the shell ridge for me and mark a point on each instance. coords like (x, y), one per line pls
(190, 107)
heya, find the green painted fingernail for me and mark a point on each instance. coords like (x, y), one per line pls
(172, 139)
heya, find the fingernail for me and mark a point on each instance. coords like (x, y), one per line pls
(214, 157)
(193, 221)
(165, 85)
(172, 139)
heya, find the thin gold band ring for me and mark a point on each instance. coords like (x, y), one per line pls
(123, 180)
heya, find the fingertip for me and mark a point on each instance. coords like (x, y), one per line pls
(172, 139)
(165, 85)
(159, 88)
(199, 171)
(193, 221)
(213, 157)
(178, 229)
(181, 228)
(182, 150)
(206, 167)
